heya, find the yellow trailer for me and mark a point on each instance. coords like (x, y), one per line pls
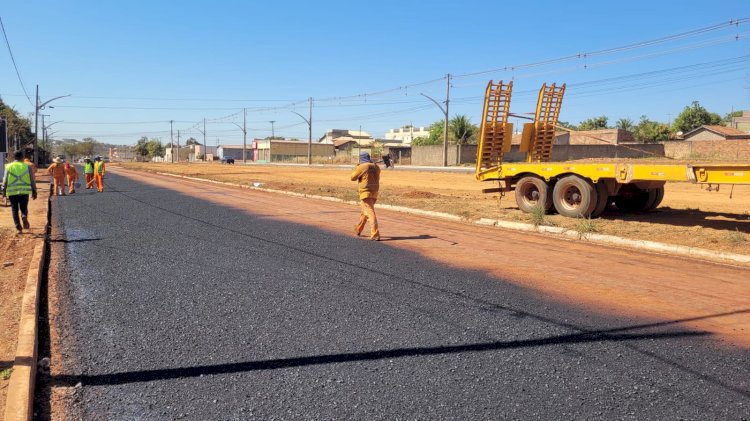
(575, 189)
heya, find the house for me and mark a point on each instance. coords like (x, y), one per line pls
(706, 132)
(742, 122)
(406, 134)
(361, 137)
(234, 151)
(265, 150)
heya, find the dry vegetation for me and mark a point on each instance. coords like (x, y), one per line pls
(689, 215)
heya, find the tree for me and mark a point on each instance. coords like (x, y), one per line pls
(648, 131)
(155, 148)
(595, 123)
(191, 141)
(18, 127)
(694, 116)
(462, 130)
(729, 116)
(435, 137)
(141, 147)
(625, 124)
(566, 125)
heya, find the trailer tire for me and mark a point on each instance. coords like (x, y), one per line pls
(655, 196)
(531, 192)
(602, 198)
(574, 197)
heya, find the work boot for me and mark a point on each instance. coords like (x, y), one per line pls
(26, 223)
(19, 230)
(375, 237)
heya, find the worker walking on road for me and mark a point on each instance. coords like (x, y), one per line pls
(57, 171)
(88, 172)
(99, 171)
(18, 184)
(72, 174)
(367, 174)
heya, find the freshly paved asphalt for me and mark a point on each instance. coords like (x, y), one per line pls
(180, 308)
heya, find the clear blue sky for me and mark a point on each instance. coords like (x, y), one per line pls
(133, 66)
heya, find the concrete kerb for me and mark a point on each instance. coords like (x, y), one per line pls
(610, 240)
(19, 401)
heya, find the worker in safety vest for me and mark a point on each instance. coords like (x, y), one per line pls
(18, 184)
(88, 172)
(367, 173)
(99, 173)
(72, 173)
(57, 171)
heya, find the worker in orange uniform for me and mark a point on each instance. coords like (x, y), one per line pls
(99, 173)
(57, 171)
(367, 174)
(88, 172)
(27, 161)
(72, 173)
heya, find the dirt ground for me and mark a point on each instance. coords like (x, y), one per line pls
(16, 258)
(690, 215)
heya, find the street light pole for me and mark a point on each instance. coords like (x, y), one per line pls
(445, 114)
(273, 133)
(309, 133)
(36, 121)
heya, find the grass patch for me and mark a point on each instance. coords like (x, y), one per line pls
(538, 215)
(5, 374)
(736, 237)
(586, 226)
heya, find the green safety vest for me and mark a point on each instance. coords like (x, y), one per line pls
(89, 168)
(19, 180)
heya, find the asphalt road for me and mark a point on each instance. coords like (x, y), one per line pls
(181, 308)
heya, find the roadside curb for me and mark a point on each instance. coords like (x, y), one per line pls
(19, 401)
(610, 240)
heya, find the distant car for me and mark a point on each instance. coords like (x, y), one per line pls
(227, 160)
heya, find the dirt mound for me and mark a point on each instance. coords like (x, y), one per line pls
(416, 194)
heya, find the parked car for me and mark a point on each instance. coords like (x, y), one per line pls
(227, 160)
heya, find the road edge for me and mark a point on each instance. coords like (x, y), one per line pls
(19, 401)
(610, 240)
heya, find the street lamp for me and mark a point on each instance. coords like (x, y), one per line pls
(309, 133)
(445, 129)
(244, 135)
(445, 113)
(45, 134)
(36, 120)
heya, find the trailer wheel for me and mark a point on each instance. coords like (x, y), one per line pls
(655, 196)
(531, 192)
(574, 197)
(602, 198)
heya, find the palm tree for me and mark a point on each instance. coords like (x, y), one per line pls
(625, 124)
(461, 128)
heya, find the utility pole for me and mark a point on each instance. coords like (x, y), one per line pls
(309, 136)
(244, 136)
(36, 128)
(445, 135)
(205, 145)
(171, 138)
(273, 133)
(178, 146)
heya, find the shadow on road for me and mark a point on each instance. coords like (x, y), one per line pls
(612, 335)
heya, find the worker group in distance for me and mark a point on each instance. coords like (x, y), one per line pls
(92, 171)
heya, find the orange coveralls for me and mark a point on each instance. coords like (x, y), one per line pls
(72, 174)
(368, 175)
(57, 171)
(99, 175)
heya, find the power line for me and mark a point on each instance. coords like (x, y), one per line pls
(13, 59)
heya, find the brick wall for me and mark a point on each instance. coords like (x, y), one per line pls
(731, 150)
